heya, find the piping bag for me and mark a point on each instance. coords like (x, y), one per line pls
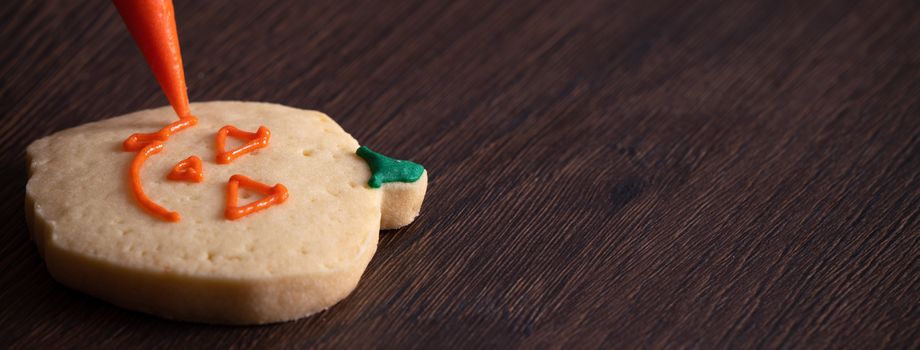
(152, 24)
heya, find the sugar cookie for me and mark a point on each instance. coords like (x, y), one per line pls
(287, 259)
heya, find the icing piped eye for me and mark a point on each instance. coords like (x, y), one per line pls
(254, 141)
(274, 195)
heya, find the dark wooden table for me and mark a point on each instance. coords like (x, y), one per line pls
(618, 174)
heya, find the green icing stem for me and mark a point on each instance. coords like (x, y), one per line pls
(385, 169)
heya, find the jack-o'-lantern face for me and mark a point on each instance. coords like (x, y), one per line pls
(190, 169)
(243, 160)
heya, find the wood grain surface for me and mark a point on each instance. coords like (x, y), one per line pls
(604, 174)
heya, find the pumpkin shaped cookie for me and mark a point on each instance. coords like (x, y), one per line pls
(287, 256)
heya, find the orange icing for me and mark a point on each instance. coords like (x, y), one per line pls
(187, 170)
(137, 141)
(256, 140)
(274, 195)
(135, 175)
